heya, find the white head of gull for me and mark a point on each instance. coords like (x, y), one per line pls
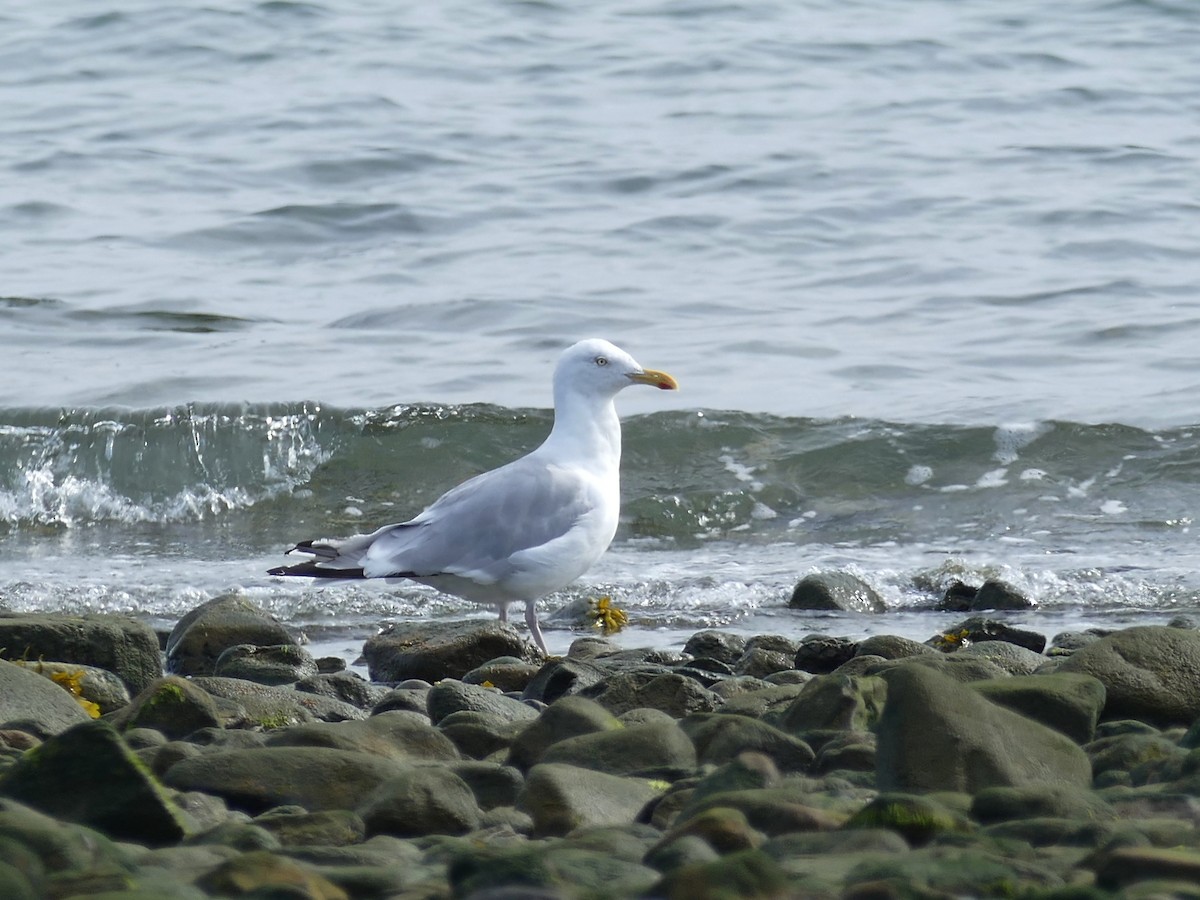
(526, 529)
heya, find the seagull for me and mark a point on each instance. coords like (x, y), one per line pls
(526, 529)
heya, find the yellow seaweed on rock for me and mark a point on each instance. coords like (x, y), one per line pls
(606, 616)
(72, 683)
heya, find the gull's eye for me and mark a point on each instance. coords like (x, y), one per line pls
(601, 360)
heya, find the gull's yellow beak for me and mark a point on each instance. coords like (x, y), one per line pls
(660, 380)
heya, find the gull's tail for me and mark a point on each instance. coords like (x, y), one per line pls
(331, 561)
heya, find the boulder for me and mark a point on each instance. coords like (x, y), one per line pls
(1067, 702)
(87, 775)
(1151, 673)
(391, 735)
(848, 702)
(935, 736)
(451, 696)
(561, 798)
(200, 637)
(316, 778)
(171, 705)
(272, 706)
(277, 664)
(672, 693)
(721, 737)
(123, 646)
(420, 801)
(723, 646)
(646, 749)
(566, 718)
(836, 590)
(436, 651)
(822, 653)
(29, 702)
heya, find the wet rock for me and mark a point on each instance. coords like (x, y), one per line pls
(1150, 673)
(673, 694)
(404, 699)
(87, 775)
(890, 646)
(850, 750)
(561, 798)
(43, 847)
(647, 749)
(200, 637)
(98, 686)
(35, 704)
(171, 705)
(563, 677)
(720, 737)
(1004, 804)
(293, 826)
(266, 874)
(997, 594)
(391, 735)
(436, 651)
(766, 654)
(492, 784)
(749, 874)
(271, 706)
(344, 686)
(723, 646)
(747, 771)
(1124, 867)
(845, 702)
(772, 811)
(934, 735)
(836, 590)
(566, 718)
(125, 647)
(1066, 702)
(480, 734)
(958, 597)
(507, 673)
(979, 629)
(1012, 658)
(451, 696)
(315, 778)
(918, 819)
(421, 801)
(822, 653)
(279, 664)
(767, 701)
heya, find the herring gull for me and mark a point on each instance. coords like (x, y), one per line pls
(523, 530)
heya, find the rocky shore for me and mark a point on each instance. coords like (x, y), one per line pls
(224, 761)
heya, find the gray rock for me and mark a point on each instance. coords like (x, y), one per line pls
(436, 651)
(723, 646)
(1066, 702)
(265, 873)
(1004, 804)
(87, 775)
(315, 778)
(918, 819)
(43, 846)
(172, 705)
(292, 826)
(957, 666)
(391, 735)
(934, 736)
(279, 664)
(492, 784)
(979, 629)
(760, 662)
(1151, 673)
(627, 751)
(1012, 658)
(768, 701)
(420, 801)
(592, 647)
(997, 594)
(720, 737)
(508, 673)
(847, 751)
(822, 653)
(844, 702)
(836, 590)
(98, 686)
(451, 696)
(271, 706)
(125, 647)
(772, 811)
(200, 637)
(409, 699)
(36, 704)
(673, 694)
(345, 686)
(480, 734)
(563, 677)
(561, 798)
(565, 718)
(891, 646)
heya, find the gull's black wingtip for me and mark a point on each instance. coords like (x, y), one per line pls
(312, 570)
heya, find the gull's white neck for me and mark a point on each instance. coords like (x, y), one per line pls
(586, 427)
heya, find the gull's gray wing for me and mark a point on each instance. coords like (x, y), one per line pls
(472, 530)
